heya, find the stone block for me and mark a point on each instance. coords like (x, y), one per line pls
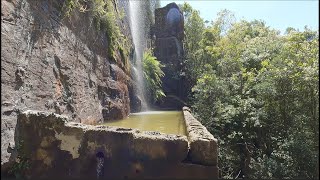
(203, 146)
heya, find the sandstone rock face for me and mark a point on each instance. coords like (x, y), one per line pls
(203, 146)
(169, 19)
(135, 100)
(58, 65)
(169, 34)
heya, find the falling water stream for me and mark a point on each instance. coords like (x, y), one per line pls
(168, 122)
(137, 25)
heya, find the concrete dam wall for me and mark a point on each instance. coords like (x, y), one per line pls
(56, 147)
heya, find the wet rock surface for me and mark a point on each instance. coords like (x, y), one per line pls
(57, 64)
(135, 100)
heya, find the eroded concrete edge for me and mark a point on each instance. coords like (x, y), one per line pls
(203, 145)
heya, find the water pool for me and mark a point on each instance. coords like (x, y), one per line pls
(168, 122)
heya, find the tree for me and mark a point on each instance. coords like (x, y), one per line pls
(194, 28)
(263, 90)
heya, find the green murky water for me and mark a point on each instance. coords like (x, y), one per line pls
(168, 122)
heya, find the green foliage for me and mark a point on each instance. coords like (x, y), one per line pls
(104, 17)
(121, 14)
(194, 27)
(105, 20)
(69, 6)
(153, 74)
(22, 162)
(258, 92)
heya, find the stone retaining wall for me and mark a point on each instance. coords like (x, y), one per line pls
(57, 147)
(203, 146)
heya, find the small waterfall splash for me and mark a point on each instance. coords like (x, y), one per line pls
(137, 26)
(100, 165)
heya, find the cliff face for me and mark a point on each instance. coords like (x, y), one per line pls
(59, 65)
(169, 33)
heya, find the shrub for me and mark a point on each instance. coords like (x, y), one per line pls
(152, 74)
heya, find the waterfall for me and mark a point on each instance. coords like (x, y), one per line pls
(137, 26)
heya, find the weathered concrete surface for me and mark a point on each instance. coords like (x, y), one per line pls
(203, 146)
(57, 147)
(57, 64)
